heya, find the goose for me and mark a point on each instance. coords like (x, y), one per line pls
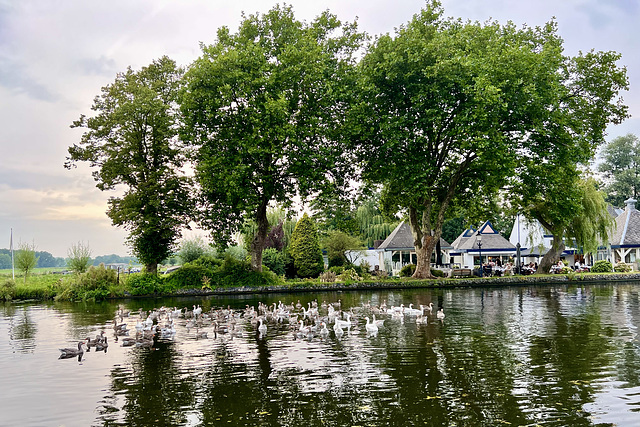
(197, 311)
(262, 328)
(102, 345)
(128, 342)
(324, 331)
(337, 330)
(66, 353)
(429, 307)
(378, 322)
(440, 315)
(372, 328)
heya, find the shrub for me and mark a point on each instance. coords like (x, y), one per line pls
(96, 284)
(349, 275)
(565, 270)
(328, 277)
(234, 273)
(190, 275)
(337, 270)
(602, 266)
(305, 249)
(437, 273)
(208, 261)
(146, 284)
(622, 267)
(408, 270)
(274, 260)
(192, 249)
(7, 290)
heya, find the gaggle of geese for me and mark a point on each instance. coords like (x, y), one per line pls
(302, 322)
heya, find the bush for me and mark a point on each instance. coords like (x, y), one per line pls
(349, 275)
(305, 249)
(328, 277)
(190, 275)
(208, 261)
(602, 266)
(622, 267)
(7, 290)
(437, 273)
(192, 249)
(565, 270)
(235, 273)
(275, 261)
(146, 284)
(337, 270)
(408, 270)
(96, 284)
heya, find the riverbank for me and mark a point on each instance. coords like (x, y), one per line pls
(312, 286)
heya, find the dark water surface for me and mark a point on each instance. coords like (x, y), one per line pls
(555, 355)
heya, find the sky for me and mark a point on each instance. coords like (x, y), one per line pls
(55, 56)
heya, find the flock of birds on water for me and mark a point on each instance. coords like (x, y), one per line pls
(303, 322)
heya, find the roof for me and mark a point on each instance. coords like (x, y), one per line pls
(402, 239)
(491, 239)
(627, 231)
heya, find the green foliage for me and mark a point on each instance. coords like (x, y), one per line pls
(372, 223)
(25, 259)
(234, 273)
(132, 142)
(7, 290)
(190, 275)
(621, 168)
(305, 249)
(622, 267)
(274, 88)
(79, 257)
(95, 284)
(208, 261)
(275, 261)
(407, 270)
(192, 249)
(337, 245)
(147, 284)
(437, 273)
(349, 275)
(328, 277)
(602, 266)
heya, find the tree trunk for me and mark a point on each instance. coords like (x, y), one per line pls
(152, 268)
(423, 255)
(257, 245)
(551, 257)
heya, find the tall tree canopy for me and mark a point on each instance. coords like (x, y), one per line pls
(263, 106)
(449, 107)
(621, 168)
(132, 141)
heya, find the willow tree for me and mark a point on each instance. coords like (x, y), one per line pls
(132, 141)
(448, 108)
(263, 107)
(573, 210)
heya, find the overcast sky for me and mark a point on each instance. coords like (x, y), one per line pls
(56, 55)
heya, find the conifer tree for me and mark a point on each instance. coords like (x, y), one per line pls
(305, 249)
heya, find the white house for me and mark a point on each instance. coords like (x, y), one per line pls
(484, 242)
(397, 250)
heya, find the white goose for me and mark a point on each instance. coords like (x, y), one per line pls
(262, 328)
(372, 328)
(440, 315)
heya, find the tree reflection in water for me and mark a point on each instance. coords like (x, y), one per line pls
(519, 356)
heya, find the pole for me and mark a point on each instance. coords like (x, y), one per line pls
(13, 269)
(480, 253)
(518, 266)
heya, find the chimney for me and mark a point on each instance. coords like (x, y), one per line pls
(631, 204)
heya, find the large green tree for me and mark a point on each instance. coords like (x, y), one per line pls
(305, 248)
(621, 168)
(132, 141)
(264, 108)
(449, 107)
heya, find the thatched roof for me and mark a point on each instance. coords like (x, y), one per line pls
(491, 239)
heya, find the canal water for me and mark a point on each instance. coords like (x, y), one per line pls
(553, 355)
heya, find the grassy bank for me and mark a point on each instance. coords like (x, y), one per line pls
(100, 283)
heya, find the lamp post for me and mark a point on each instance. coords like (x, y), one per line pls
(479, 239)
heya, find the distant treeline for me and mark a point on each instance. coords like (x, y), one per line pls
(45, 259)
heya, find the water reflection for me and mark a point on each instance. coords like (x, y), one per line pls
(521, 356)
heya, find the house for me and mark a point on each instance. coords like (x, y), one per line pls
(397, 250)
(624, 242)
(484, 242)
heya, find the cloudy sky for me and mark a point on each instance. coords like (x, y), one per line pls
(56, 55)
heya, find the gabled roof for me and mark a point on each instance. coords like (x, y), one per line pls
(402, 239)
(627, 232)
(491, 239)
